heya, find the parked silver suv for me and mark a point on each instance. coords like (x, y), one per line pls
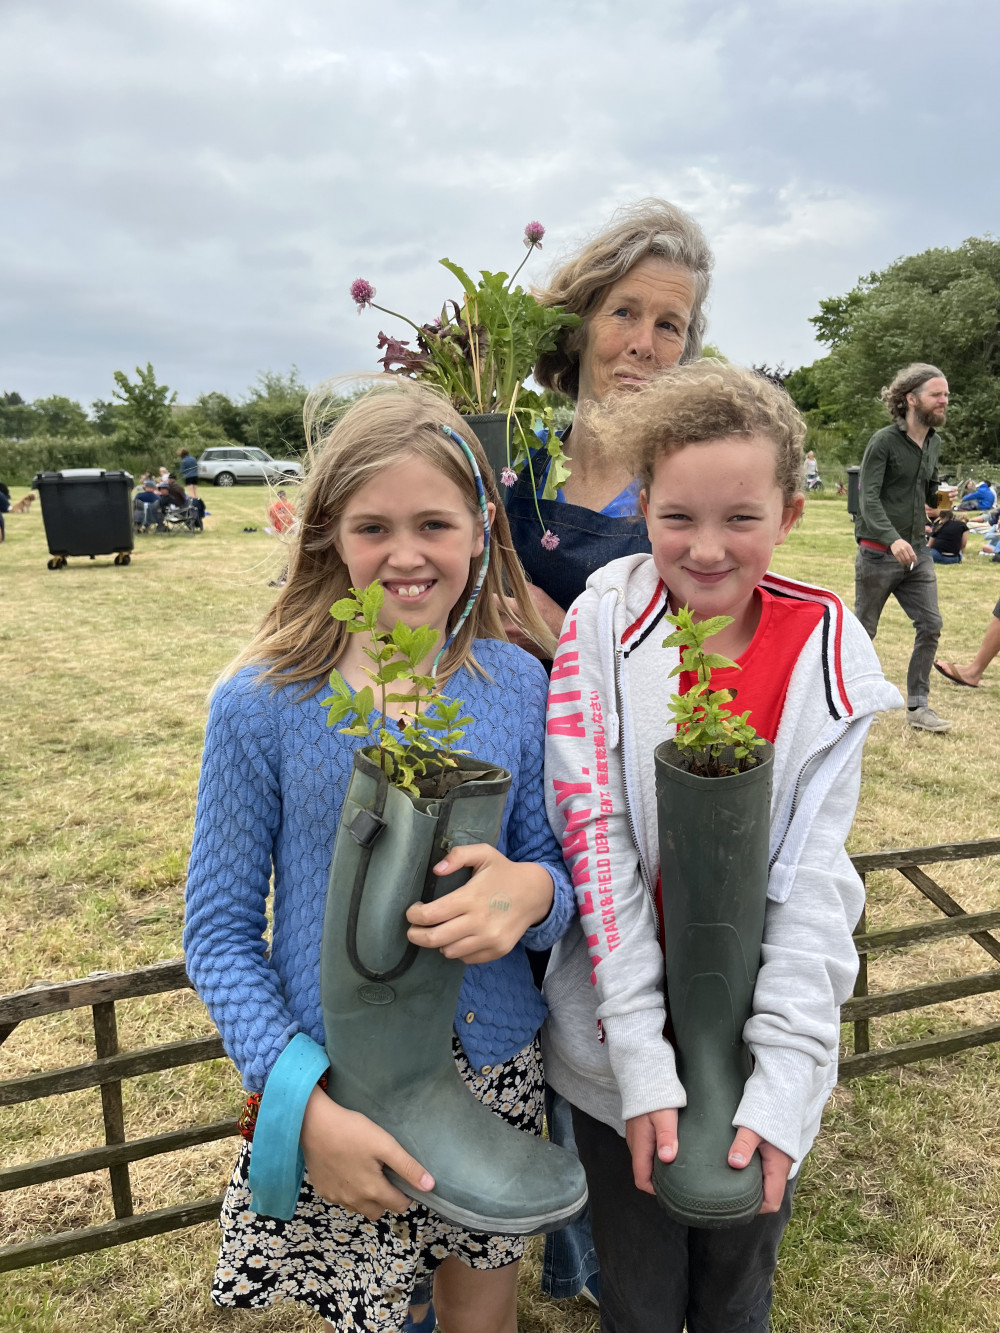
(226, 466)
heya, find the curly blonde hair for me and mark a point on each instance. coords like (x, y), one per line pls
(298, 641)
(651, 228)
(693, 404)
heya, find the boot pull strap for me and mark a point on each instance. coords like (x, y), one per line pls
(365, 827)
(431, 885)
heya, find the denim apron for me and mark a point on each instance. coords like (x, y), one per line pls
(587, 540)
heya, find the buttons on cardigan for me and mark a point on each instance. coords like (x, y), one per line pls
(486, 1069)
(469, 1016)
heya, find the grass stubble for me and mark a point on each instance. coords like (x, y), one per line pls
(105, 670)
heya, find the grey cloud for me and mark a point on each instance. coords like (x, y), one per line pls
(198, 185)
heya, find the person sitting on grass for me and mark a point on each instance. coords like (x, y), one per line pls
(281, 514)
(146, 506)
(972, 674)
(948, 538)
(983, 497)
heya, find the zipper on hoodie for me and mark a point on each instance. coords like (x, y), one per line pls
(628, 808)
(797, 789)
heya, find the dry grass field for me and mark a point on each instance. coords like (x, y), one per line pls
(105, 672)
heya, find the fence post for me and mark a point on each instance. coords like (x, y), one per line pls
(106, 1039)
(861, 1037)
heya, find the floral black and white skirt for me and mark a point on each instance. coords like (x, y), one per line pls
(359, 1274)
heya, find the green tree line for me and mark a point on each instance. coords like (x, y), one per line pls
(141, 427)
(941, 306)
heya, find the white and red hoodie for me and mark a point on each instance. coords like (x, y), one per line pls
(608, 710)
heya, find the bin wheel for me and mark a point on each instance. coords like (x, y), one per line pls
(57, 562)
(123, 558)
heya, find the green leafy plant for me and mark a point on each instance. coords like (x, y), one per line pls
(711, 739)
(414, 750)
(482, 348)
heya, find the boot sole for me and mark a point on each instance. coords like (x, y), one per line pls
(537, 1225)
(697, 1215)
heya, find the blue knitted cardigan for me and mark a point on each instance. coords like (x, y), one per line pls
(273, 780)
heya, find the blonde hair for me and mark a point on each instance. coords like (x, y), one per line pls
(707, 400)
(651, 228)
(298, 640)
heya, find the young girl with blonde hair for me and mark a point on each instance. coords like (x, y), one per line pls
(391, 496)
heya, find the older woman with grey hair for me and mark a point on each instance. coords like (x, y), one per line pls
(640, 288)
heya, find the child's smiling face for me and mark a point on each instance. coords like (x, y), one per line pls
(411, 528)
(715, 513)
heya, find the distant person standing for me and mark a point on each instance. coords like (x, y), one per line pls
(189, 471)
(898, 482)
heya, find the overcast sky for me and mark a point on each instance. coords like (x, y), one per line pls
(196, 182)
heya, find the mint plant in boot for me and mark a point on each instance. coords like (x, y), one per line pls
(388, 1005)
(712, 742)
(417, 753)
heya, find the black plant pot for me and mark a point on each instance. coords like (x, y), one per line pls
(492, 431)
(713, 835)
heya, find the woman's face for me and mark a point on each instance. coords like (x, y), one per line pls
(639, 327)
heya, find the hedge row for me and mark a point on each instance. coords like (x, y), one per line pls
(21, 459)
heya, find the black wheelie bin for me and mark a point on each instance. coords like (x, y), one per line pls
(86, 511)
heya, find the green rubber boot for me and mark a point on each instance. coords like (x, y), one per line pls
(389, 1008)
(713, 835)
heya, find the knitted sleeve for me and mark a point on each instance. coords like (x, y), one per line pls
(238, 813)
(529, 836)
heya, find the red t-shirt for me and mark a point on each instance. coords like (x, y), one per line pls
(282, 515)
(765, 668)
(759, 681)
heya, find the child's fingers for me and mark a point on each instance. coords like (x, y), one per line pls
(665, 1125)
(461, 938)
(776, 1166)
(441, 910)
(399, 1160)
(641, 1139)
(743, 1148)
(476, 855)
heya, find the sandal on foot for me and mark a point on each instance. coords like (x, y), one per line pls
(951, 672)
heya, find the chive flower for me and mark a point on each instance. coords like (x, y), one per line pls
(362, 293)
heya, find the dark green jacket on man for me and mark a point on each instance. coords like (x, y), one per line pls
(897, 479)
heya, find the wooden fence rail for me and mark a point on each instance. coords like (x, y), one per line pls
(957, 921)
(102, 991)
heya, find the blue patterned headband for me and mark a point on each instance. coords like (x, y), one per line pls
(481, 493)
